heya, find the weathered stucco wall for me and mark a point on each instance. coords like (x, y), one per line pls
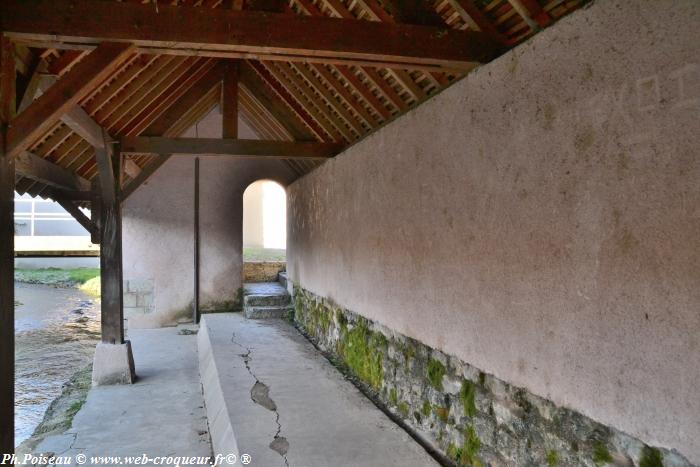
(539, 220)
(158, 222)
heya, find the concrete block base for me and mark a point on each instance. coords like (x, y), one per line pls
(113, 364)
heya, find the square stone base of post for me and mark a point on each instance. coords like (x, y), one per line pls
(113, 364)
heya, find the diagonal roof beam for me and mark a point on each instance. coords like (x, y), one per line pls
(45, 111)
(243, 34)
(39, 169)
(171, 121)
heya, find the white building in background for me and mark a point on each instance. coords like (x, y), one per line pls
(44, 228)
(265, 215)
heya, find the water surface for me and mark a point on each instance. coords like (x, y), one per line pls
(56, 330)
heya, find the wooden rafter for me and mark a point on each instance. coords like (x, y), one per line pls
(44, 112)
(258, 35)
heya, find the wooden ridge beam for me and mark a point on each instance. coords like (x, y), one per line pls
(244, 148)
(45, 111)
(229, 100)
(242, 34)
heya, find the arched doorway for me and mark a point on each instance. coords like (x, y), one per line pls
(264, 222)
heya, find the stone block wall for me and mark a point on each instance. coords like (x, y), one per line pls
(262, 271)
(138, 298)
(471, 417)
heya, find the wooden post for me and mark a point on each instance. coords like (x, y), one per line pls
(195, 310)
(229, 100)
(96, 212)
(109, 163)
(7, 239)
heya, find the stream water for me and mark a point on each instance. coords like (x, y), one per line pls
(56, 331)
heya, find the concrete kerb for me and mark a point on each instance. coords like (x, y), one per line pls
(223, 438)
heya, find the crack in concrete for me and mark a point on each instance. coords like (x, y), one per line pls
(260, 394)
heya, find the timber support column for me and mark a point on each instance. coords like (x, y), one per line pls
(114, 362)
(7, 265)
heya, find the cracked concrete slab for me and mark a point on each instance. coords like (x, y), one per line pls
(161, 414)
(319, 419)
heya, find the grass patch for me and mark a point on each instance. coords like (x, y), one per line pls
(264, 254)
(92, 287)
(56, 276)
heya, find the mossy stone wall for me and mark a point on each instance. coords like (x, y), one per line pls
(472, 417)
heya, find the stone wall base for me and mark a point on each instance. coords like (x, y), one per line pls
(468, 415)
(113, 364)
(262, 271)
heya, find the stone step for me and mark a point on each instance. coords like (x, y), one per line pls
(266, 300)
(265, 312)
(282, 279)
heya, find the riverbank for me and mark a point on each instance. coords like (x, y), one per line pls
(57, 327)
(85, 279)
(59, 416)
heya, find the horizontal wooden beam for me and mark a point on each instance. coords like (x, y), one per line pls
(63, 96)
(244, 148)
(242, 34)
(36, 168)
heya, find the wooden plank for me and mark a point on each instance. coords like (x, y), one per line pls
(7, 239)
(307, 98)
(34, 84)
(250, 34)
(131, 168)
(176, 111)
(266, 96)
(169, 123)
(229, 100)
(245, 148)
(37, 168)
(78, 215)
(77, 119)
(473, 16)
(289, 100)
(413, 12)
(44, 112)
(111, 275)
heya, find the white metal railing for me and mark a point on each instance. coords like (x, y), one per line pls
(28, 211)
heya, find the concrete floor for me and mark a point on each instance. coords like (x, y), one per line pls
(287, 405)
(162, 414)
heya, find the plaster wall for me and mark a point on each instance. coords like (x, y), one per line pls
(158, 221)
(540, 220)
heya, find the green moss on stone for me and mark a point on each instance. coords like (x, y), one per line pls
(552, 458)
(425, 410)
(363, 359)
(468, 397)
(393, 397)
(436, 371)
(651, 457)
(403, 408)
(601, 455)
(466, 455)
(472, 445)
